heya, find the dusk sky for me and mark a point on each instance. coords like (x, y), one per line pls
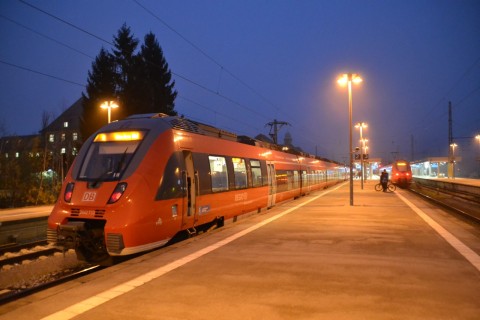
(241, 64)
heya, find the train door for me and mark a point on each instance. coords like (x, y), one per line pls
(189, 215)
(272, 184)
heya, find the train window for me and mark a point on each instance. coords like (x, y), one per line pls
(257, 180)
(171, 183)
(218, 171)
(305, 179)
(263, 166)
(402, 166)
(293, 180)
(282, 180)
(202, 167)
(106, 161)
(240, 173)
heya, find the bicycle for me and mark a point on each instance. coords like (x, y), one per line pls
(390, 186)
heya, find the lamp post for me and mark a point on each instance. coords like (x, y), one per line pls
(109, 105)
(453, 146)
(361, 125)
(347, 79)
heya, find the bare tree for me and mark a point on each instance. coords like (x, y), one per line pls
(46, 116)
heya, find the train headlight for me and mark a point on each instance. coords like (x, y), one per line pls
(67, 196)
(118, 192)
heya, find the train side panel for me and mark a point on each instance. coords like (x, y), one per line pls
(161, 181)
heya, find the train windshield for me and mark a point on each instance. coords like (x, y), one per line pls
(109, 155)
(402, 166)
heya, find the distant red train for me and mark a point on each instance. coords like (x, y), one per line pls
(138, 182)
(399, 172)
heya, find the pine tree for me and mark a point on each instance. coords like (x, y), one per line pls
(101, 86)
(156, 87)
(138, 82)
(126, 62)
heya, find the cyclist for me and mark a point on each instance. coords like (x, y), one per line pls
(384, 180)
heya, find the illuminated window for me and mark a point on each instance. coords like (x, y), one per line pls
(63, 136)
(218, 171)
(17, 154)
(51, 137)
(75, 136)
(240, 171)
(63, 151)
(65, 124)
(74, 151)
(256, 173)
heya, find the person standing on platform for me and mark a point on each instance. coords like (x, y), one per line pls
(384, 180)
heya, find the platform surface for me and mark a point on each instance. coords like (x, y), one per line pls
(313, 258)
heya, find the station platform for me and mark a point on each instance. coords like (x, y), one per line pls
(465, 181)
(390, 256)
(25, 213)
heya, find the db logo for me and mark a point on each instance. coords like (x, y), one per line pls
(89, 196)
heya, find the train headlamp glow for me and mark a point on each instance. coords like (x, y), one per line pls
(119, 136)
(401, 164)
(118, 192)
(67, 196)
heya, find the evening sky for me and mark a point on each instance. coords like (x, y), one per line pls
(241, 64)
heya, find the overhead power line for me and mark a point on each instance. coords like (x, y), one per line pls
(230, 100)
(176, 74)
(46, 37)
(65, 22)
(206, 55)
(42, 73)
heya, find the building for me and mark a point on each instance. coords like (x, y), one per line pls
(62, 138)
(59, 141)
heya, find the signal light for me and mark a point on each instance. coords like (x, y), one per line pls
(67, 196)
(117, 193)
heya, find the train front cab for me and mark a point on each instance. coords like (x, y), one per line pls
(401, 173)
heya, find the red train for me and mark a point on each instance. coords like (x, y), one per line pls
(138, 182)
(400, 173)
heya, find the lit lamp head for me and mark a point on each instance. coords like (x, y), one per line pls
(349, 77)
(361, 125)
(109, 105)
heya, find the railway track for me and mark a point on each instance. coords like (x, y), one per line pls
(462, 204)
(19, 261)
(7, 295)
(12, 254)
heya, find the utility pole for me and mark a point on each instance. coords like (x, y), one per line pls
(412, 158)
(451, 168)
(275, 126)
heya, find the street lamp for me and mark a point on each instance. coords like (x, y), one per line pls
(347, 79)
(453, 146)
(361, 125)
(109, 105)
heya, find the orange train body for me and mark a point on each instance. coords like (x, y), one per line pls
(400, 172)
(136, 183)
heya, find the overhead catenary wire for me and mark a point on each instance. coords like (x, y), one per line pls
(41, 73)
(422, 122)
(46, 37)
(222, 67)
(174, 73)
(268, 118)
